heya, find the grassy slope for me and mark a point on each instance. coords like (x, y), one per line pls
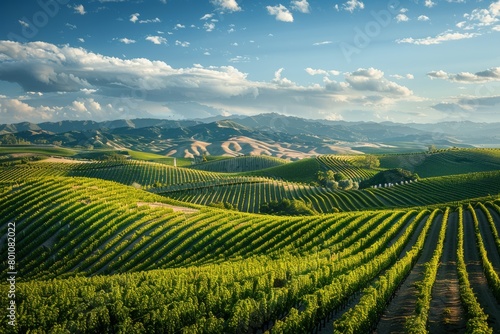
(445, 162)
(299, 171)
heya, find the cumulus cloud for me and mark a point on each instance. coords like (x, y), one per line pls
(301, 6)
(492, 74)
(126, 40)
(351, 5)
(312, 71)
(134, 17)
(372, 79)
(229, 5)
(157, 40)
(209, 26)
(97, 86)
(423, 18)
(441, 38)
(183, 44)
(429, 3)
(481, 17)
(79, 9)
(401, 18)
(280, 12)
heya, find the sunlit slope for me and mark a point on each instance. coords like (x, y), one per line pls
(144, 174)
(445, 162)
(249, 196)
(294, 276)
(80, 226)
(240, 164)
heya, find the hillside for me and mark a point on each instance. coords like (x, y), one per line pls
(130, 246)
(266, 134)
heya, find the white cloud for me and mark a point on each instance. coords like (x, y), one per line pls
(229, 5)
(24, 24)
(134, 17)
(240, 59)
(206, 16)
(183, 44)
(79, 9)
(81, 40)
(301, 6)
(400, 77)
(312, 71)
(209, 26)
(155, 20)
(492, 74)
(126, 40)
(102, 87)
(429, 3)
(70, 26)
(179, 26)
(372, 79)
(423, 18)
(322, 43)
(280, 12)
(351, 5)
(481, 17)
(443, 37)
(157, 40)
(401, 18)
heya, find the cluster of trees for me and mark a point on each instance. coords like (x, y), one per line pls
(366, 161)
(287, 207)
(335, 180)
(224, 205)
(10, 139)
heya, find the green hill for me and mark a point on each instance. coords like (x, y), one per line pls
(240, 164)
(445, 162)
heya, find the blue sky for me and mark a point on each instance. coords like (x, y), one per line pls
(402, 61)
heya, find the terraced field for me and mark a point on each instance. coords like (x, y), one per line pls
(97, 255)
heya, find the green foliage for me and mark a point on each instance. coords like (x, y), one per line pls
(224, 205)
(287, 207)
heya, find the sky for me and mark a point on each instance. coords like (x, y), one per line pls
(401, 61)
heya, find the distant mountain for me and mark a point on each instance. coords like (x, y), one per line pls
(270, 134)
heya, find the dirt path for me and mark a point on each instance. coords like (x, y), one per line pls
(183, 209)
(403, 304)
(446, 314)
(476, 277)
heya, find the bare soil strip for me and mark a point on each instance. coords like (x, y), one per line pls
(476, 276)
(403, 304)
(168, 206)
(446, 314)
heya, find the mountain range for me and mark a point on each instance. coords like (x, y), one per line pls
(270, 134)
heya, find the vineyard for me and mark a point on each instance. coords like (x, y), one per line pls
(132, 247)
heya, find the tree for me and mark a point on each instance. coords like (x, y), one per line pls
(287, 207)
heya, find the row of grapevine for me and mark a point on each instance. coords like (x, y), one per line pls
(240, 164)
(344, 165)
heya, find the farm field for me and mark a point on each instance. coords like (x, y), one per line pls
(134, 246)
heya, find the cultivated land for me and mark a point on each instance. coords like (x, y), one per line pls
(134, 246)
